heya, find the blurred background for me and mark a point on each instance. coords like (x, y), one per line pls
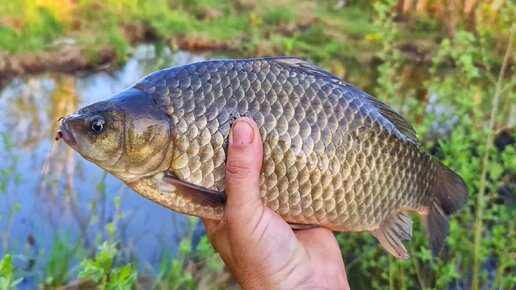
(448, 66)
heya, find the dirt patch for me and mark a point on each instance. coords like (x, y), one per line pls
(199, 43)
(74, 58)
(66, 59)
(71, 59)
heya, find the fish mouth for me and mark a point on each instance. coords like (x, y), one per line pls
(65, 134)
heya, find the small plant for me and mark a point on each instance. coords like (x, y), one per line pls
(7, 280)
(196, 266)
(57, 269)
(101, 270)
(279, 15)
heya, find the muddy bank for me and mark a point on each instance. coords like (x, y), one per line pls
(71, 59)
(74, 58)
(65, 59)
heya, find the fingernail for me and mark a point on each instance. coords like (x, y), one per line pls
(242, 133)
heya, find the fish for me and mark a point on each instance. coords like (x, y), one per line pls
(334, 156)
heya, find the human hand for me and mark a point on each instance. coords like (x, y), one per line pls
(257, 245)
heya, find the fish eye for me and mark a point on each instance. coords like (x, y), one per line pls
(97, 124)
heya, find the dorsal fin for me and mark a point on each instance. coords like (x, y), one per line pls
(308, 67)
(396, 119)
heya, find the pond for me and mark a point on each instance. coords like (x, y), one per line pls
(65, 200)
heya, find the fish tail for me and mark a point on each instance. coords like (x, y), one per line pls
(449, 195)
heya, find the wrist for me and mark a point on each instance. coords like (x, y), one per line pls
(331, 279)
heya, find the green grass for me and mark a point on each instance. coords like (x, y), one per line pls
(279, 15)
(326, 33)
(7, 280)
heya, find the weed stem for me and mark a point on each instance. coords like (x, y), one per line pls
(485, 163)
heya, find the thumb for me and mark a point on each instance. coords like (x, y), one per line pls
(243, 166)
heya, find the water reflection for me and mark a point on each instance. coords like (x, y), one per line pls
(74, 199)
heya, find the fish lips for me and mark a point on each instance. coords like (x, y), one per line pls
(65, 134)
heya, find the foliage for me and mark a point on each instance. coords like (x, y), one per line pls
(57, 268)
(466, 94)
(196, 266)
(7, 274)
(101, 270)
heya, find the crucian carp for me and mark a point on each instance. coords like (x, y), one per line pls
(334, 156)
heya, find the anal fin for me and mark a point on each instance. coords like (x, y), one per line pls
(392, 232)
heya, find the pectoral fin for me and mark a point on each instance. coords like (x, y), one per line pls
(196, 193)
(395, 229)
(301, 226)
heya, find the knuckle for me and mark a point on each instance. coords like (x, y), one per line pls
(235, 223)
(238, 169)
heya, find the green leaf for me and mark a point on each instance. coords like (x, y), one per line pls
(123, 278)
(425, 254)
(96, 269)
(91, 270)
(117, 201)
(495, 170)
(126, 271)
(6, 272)
(185, 247)
(111, 229)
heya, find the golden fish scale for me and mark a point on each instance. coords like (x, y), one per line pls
(330, 157)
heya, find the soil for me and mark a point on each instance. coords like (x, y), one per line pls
(71, 59)
(65, 59)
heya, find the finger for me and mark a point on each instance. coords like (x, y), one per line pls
(243, 168)
(322, 247)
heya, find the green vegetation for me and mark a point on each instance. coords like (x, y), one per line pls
(102, 272)
(7, 273)
(477, 98)
(343, 38)
(450, 72)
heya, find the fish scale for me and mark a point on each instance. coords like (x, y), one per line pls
(333, 155)
(236, 91)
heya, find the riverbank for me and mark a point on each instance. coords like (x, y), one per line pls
(73, 36)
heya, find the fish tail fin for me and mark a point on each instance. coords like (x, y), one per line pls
(449, 195)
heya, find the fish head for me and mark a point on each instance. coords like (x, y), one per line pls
(126, 134)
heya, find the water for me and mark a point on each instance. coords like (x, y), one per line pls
(74, 201)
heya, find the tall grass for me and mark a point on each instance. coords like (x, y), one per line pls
(462, 134)
(479, 227)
